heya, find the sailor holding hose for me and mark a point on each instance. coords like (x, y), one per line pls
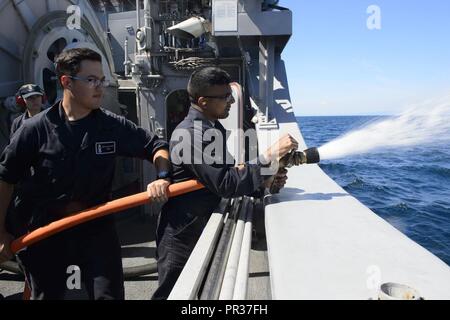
(183, 218)
(72, 148)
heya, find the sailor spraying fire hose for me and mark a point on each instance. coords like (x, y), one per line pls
(293, 158)
(296, 158)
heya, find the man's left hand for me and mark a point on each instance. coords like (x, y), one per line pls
(157, 190)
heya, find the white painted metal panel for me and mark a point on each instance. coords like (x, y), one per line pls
(325, 244)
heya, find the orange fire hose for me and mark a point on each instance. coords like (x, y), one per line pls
(70, 221)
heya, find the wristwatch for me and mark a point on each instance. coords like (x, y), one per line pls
(164, 175)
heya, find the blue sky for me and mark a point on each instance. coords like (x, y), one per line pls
(337, 66)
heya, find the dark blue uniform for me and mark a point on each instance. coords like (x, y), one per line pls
(183, 218)
(17, 123)
(73, 167)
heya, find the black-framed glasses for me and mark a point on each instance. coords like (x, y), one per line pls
(92, 82)
(228, 97)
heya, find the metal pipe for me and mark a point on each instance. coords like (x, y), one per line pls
(147, 13)
(214, 278)
(126, 61)
(240, 287)
(138, 14)
(173, 37)
(229, 279)
(266, 73)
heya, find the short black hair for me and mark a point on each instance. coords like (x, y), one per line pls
(69, 62)
(203, 79)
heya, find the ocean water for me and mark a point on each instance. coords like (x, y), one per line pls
(408, 187)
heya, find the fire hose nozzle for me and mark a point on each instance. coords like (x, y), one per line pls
(295, 158)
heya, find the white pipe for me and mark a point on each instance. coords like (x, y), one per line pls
(240, 288)
(126, 61)
(147, 13)
(138, 14)
(229, 279)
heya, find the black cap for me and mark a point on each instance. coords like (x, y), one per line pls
(29, 90)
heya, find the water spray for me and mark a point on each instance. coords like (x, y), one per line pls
(424, 124)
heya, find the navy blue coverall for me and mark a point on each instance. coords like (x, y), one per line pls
(183, 218)
(72, 166)
(17, 123)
